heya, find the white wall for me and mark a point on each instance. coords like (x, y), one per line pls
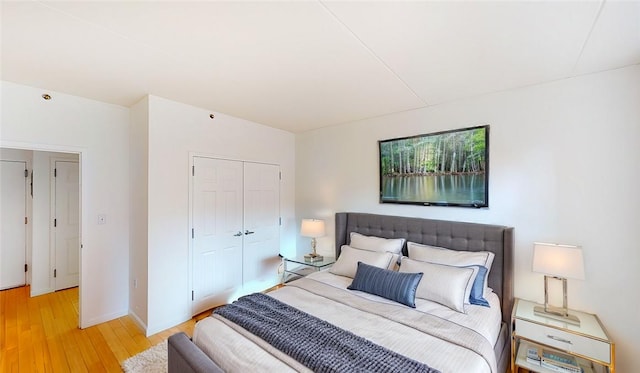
(41, 221)
(176, 131)
(100, 133)
(139, 209)
(563, 168)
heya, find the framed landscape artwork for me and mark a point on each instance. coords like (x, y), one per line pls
(449, 168)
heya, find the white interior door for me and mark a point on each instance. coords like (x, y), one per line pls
(66, 224)
(217, 231)
(261, 221)
(13, 229)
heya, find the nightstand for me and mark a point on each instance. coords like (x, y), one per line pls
(299, 267)
(588, 342)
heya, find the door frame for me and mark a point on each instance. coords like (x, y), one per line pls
(189, 171)
(82, 154)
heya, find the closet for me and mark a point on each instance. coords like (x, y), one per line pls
(235, 228)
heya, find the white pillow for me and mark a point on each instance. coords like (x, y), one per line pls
(447, 285)
(347, 263)
(394, 265)
(441, 255)
(379, 244)
(409, 265)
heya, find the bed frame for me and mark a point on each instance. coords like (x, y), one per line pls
(451, 235)
(184, 356)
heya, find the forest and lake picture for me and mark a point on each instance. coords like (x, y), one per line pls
(447, 168)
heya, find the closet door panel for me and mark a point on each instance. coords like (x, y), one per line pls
(217, 237)
(13, 231)
(261, 221)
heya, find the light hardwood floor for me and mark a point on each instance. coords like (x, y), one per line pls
(41, 334)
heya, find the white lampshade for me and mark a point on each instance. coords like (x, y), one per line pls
(312, 228)
(558, 260)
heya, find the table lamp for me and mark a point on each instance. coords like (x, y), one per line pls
(313, 228)
(558, 262)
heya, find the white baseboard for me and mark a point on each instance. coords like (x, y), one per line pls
(36, 292)
(102, 318)
(138, 321)
(164, 326)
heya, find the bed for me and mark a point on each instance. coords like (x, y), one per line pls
(472, 338)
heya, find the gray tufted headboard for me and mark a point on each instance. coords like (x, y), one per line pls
(448, 234)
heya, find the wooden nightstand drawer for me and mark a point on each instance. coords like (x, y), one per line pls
(563, 340)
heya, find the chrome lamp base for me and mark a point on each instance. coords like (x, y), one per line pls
(556, 313)
(313, 257)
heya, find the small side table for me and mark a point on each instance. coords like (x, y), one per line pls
(297, 267)
(588, 342)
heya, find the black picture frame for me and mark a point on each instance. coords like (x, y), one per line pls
(447, 168)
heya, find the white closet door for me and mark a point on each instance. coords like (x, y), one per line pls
(67, 224)
(12, 224)
(261, 221)
(217, 231)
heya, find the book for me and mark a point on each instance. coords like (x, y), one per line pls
(559, 362)
(558, 369)
(534, 355)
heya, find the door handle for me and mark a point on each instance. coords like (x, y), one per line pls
(238, 234)
(247, 232)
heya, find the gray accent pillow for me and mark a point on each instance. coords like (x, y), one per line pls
(395, 286)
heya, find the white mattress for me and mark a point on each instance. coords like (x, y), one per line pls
(384, 322)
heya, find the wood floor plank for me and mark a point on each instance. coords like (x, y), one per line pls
(89, 354)
(12, 337)
(41, 334)
(136, 333)
(10, 363)
(112, 341)
(11, 321)
(125, 338)
(105, 354)
(48, 322)
(2, 325)
(73, 354)
(25, 351)
(40, 356)
(58, 357)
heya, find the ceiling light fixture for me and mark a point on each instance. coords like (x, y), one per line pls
(211, 116)
(46, 96)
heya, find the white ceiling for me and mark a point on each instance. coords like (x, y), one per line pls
(300, 65)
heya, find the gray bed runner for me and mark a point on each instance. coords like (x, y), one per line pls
(315, 343)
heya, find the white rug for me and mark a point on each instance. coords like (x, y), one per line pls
(152, 360)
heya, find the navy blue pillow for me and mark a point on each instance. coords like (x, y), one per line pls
(477, 290)
(396, 286)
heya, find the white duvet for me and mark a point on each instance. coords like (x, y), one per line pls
(431, 333)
